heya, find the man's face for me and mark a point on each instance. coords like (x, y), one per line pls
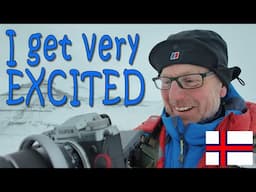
(192, 105)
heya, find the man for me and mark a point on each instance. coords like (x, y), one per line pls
(194, 80)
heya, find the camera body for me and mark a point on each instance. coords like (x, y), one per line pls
(84, 141)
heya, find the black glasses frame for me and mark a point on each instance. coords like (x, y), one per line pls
(203, 75)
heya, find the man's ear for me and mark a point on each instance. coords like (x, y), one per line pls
(223, 91)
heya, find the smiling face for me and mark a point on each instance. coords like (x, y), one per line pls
(192, 105)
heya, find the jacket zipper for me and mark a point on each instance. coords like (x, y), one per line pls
(181, 157)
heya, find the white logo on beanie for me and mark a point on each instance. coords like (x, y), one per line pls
(174, 55)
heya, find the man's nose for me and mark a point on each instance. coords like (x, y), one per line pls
(176, 91)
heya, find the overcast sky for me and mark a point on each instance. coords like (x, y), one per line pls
(241, 40)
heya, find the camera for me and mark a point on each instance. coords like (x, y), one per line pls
(84, 141)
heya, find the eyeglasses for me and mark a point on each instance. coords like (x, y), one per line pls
(190, 81)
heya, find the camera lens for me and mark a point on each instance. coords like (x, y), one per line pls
(73, 156)
(4, 163)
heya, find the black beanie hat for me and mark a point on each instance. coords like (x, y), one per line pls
(198, 47)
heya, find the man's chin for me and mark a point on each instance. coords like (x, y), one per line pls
(187, 120)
